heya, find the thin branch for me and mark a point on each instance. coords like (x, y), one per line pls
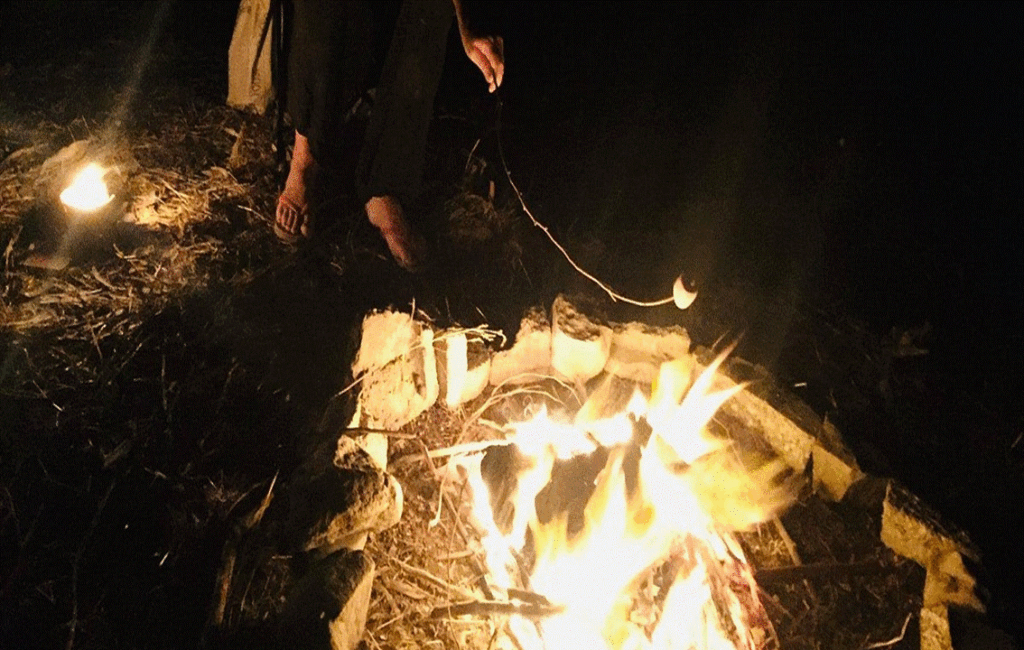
(496, 608)
(818, 570)
(257, 515)
(227, 571)
(894, 640)
(430, 578)
(498, 395)
(604, 287)
(614, 295)
(467, 448)
(384, 432)
(787, 541)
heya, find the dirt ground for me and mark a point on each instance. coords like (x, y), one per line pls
(843, 186)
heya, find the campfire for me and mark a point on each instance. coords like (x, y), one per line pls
(620, 525)
(595, 485)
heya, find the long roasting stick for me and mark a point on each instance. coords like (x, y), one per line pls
(680, 296)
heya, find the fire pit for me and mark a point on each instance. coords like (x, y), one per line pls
(595, 485)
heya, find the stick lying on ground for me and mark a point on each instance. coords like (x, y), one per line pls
(496, 607)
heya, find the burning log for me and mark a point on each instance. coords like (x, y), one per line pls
(643, 501)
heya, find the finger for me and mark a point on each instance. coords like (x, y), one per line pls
(499, 68)
(481, 61)
(493, 48)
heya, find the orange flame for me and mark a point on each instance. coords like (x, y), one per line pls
(87, 192)
(647, 512)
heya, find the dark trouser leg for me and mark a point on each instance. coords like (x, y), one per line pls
(391, 163)
(329, 67)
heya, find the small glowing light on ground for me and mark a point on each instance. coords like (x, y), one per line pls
(88, 191)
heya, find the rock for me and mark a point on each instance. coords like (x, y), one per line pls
(339, 494)
(27, 156)
(529, 359)
(579, 346)
(786, 423)
(831, 476)
(463, 367)
(396, 393)
(935, 634)
(386, 336)
(327, 608)
(915, 531)
(638, 350)
(948, 582)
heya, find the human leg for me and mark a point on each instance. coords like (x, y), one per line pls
(406, 245)
(293, 219)
(391, 163)
(330, 60)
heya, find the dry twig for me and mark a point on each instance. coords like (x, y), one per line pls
(493, 607)
(614, 295)
(894, 640)
(434, 581)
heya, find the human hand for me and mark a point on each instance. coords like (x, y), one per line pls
(488, 54)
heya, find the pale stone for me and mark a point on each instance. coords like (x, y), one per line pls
(948, 582)
(395, 394)
(832, 477)
(327, 608)
(250, 78)
(374, 443)
(463, 367)
(338, 494)
(935, 634)
(386, 336)
(529, 359)
(579, 346)
(638, 350)
(913, 530)
(786, 423)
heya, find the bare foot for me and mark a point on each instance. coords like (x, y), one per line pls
(406, 245)
(293, 221)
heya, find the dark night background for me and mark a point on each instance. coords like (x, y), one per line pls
(861, 157)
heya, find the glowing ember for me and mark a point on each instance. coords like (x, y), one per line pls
(625, 522)
(87, 192)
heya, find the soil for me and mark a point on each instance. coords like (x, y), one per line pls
(841, 183)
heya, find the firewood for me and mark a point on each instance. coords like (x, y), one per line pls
(496, 608)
